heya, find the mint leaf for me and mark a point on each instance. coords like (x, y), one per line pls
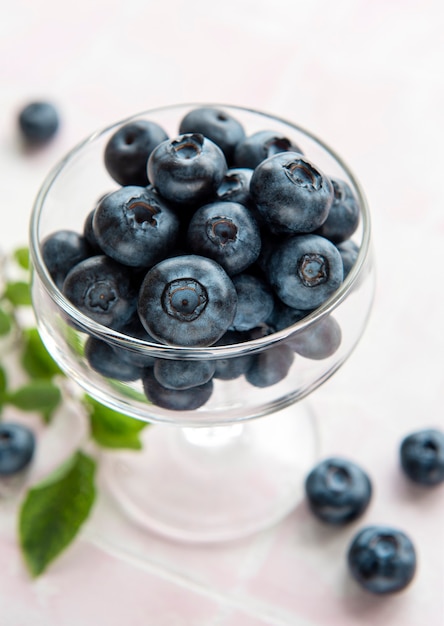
(18, 293)
(21, 255)
(35, 358)
(112, 429)
(37, 395)
(54, 511)
(5, 322)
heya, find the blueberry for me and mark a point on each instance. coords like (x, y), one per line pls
(218, 125)
(231, 368)
(255, 302)
(291, 193)
(187, 300)
(344, 214)
(226, 232)
(283, 316)
(183, 373)
(349, 251)
(187, 169)
(61, 251)
(135, 329)
(305, 270)
(270, 366)
(103, 359)
(422, 456)
(338, 491)
(382, 559)
(38, 123)
(235, 187)
(127, 151)
(260, 146)
(101, 289)
(17, 444)
(318, 341)
(175, 399)
(135, 226)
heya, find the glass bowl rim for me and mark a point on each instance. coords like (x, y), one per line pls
(115, 337)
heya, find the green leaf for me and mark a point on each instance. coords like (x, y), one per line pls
(35, 358)
(3, 379)
(21, 255)
(37, 395)
(112, 429)
(18, 293)
(54, 511)
(5, 322)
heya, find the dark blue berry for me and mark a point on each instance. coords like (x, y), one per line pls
(232, 367)
(135, 226)
(338, 491)
(343, 216)
(422, 456)
(270, 366)
(102, 289)
(61, 251)
(188, 169)
(305, 270)
(103, 359)
(175, 399)
(349, 251)
(183, 373)
(38, 122)
(260, 146)
(291, 193)
(187, 300)
(318, 341)
(127, 151)
(218, 125)
(226, 232)
(382, 559)
(235, 187)
(255, 302)
(17, 445)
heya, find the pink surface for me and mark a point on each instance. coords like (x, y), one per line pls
(367, 77)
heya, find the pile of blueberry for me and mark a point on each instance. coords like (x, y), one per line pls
(214, 237)
(382, 559)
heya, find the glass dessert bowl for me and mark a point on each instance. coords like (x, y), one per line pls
(227, 457)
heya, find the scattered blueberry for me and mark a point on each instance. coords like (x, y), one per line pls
(338, 491)
(216, 124)
(127, 151)
(291, 193)
(382, 559)
(305, 270)
(226, 232)
(61, 251)
(38, 123)
(187, 169)
(260, 146)
(187, 300)
(101, 289)
(135, 226)
(422, 456)
(17, 445)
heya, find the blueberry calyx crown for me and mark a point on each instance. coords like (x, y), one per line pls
(303, 174)
(312, 269)
(101, 296)
(184, 299)
(141, 214)
(188, 146)
(221, 230)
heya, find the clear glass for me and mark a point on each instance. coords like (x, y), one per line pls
(222, 437)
